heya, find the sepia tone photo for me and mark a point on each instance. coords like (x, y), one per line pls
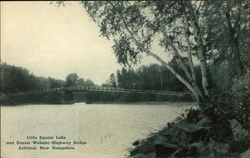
(125, 79)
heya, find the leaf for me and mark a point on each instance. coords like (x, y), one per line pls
(190, 128)
(168, 145)
(197, 145)
(239, 132)
(211, 150)
(165, 149)
(203, 121)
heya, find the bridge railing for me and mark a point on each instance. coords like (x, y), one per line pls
(95, 88)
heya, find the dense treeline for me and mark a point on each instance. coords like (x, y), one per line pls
(157, 77)
(16, 79)
(73, 80)
(151, 77)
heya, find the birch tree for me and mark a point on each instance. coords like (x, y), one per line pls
(178, 27)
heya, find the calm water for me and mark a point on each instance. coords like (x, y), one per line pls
(108, 129)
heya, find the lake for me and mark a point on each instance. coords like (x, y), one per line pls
(108, 129)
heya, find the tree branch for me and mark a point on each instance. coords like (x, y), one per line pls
(194, 81)
(177, 54)
(201, 50)
(186, 83)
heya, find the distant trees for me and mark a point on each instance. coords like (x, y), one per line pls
(81, 82)
(73, 80)
(88, 82)
(54, 83)
(111, 81)
(16, 79)
(151, 77)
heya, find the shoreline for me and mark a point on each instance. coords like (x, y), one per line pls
(119, 103)
(181, 103)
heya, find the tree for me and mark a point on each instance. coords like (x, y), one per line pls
(151, 77)
(227, 32)
(184, 29)
(111, 81)
(80, 82)
(16, 79)
(180, 28)
(88, 82)
(71, 80)
(53, 83)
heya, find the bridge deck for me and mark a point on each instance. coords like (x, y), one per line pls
(97, 89)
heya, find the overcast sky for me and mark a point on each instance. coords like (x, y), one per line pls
(55, 41)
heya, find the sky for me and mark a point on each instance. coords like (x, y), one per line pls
(53, 41)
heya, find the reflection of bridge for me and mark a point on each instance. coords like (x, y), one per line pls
(96, 89)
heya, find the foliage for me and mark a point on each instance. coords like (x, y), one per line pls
(241, 98)
(204, 133)
(210, 31)
(88, 82)
(112, 81)
(151, 77)
(16, 79)
(71, 80)
(220, 128)
(220, 78)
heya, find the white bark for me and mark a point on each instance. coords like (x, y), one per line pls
(176, 74)
(203, 61)
(139, 45)
(176, 53)
(201, 51)
(194, 81)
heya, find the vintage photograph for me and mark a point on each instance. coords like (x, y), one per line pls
(125, 79)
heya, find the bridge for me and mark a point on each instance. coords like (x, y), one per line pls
(94, 89)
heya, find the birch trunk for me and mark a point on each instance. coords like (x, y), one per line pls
(139, 45)
(177, 55)
(200, 97)
(176, 74)
(201, 50)
(203, 61)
